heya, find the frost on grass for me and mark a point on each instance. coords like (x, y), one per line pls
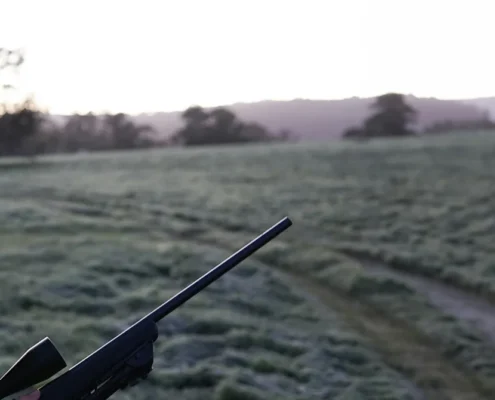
(88, 244)
(237, 338)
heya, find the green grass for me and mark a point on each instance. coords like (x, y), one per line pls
(90, 243)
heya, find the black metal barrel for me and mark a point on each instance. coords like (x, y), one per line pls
(215, 273)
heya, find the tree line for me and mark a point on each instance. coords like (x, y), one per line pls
(221, 126)
(391, 116)
(25, 130)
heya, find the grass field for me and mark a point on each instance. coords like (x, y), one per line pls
(384, 287)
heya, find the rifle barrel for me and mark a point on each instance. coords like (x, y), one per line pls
(215, 273)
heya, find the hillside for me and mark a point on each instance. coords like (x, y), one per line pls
(321, 119)
(487, 103)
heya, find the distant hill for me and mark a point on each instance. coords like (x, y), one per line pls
(324, 119)
(487, 103)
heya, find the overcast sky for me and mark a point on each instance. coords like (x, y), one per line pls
(162, 55)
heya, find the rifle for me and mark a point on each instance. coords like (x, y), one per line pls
(123, 361)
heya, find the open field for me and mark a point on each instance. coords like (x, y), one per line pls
(384, 287)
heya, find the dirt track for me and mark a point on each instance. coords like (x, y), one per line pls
(431, 376)
(463, 306)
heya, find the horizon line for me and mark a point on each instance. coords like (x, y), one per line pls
(272, 100)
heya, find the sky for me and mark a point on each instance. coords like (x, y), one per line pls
(165, 55)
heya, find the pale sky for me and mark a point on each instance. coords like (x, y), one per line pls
(164, 55)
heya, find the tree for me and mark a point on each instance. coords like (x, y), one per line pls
(18, 122)
(254, 132)
(195, 119)
(224, 127)
(391, 117)
(83, 132)
(10, 60)
(218, 126)
(17, 127)
(123, 133)
(449, 126)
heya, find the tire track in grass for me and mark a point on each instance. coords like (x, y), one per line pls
(460, 304)
(402, 348)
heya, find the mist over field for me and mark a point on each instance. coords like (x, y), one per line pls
(384, 287)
